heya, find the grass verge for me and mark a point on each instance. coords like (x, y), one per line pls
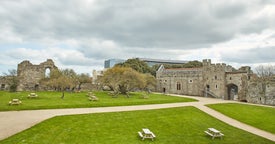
(257, 116)
(174, 125)
(52, 100)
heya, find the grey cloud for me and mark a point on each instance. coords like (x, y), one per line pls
(159, 24)
(255, 55)
(130, 23)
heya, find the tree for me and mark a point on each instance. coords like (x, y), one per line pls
(150, 82)
(83, 78)
(61, 80)
(265, 74)
(124, 79)
(12, 80)
(136, 64)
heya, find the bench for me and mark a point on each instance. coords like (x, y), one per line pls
(153, 135)
(140, 134)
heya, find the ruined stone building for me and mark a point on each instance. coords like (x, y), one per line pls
(210, 80)
(29, 74)
(4, 81)
(261, 91)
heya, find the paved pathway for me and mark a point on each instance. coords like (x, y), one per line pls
(12, 122)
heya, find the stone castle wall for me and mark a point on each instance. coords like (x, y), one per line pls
(261, 92)
(4, 83)
(29, 74)
(180, 81)
(215, 80)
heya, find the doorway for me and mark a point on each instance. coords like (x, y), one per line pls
(232, 92)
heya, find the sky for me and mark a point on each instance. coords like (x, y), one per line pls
(81, 34)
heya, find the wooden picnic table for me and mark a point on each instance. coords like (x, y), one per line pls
(214, 133)
(15, 102)
(146, 134)
(32, 95)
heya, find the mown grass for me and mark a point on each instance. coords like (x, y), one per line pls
(257, 116)
(52, 100)
(183, 125)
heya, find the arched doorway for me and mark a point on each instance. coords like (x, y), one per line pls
(232, 92)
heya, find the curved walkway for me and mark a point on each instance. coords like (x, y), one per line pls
(13, 122)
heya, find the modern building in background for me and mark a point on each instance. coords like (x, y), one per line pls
(111, 62)
(152, 62)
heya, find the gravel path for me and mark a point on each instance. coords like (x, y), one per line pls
(13, 122)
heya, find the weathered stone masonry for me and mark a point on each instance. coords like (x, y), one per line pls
(29, 75)
(210, 80)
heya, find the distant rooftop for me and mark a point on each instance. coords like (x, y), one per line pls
(111, 62)
(162, 61)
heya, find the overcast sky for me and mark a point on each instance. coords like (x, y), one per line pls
(81, 34)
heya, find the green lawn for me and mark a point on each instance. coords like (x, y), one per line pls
(171, 126)
(257, 116)
(52, 100)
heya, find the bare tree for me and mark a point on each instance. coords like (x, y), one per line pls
(265, 74)
(265, 71)
(12, 79)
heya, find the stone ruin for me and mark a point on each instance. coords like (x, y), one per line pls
(29, 74)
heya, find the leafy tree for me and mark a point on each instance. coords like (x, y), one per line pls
(12, 80)
(124, 79)
(61, 80)
(150, 82)
(136, 64)
(82, 78)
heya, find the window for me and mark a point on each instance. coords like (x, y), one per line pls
(47, 72)
(178, 86)
(190, 81)
(216, 86)
(216, 77)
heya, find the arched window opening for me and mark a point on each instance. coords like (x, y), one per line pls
(178, 86)
(47, 72)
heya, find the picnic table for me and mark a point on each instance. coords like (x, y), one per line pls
(93, 98)
(15, 102)
(32, 95)
(214, 133)
(146, 134)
